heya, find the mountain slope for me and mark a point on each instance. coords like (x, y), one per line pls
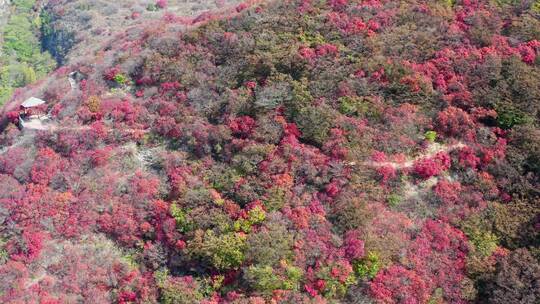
(287, 151)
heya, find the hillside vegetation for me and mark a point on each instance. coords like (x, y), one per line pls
(38, 36)
(22, 60)
(295, 151)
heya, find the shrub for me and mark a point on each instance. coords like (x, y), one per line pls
(272, 243)
(183, 224)
(428, 167)
(115, 74)
(120, 79)
(509, 117)
(177, 290)
(315, 124)
(368, 266)
(263, 279)
(454, 122)
(524, 150)
(335, 279)
(267, 280)
(522, 81)
(514, 223)
(485, 242)
(242, 126)
(162, 4)
(448, 192)
(94, 104)
(515, 280)
(388, 285)
(430, 136)
(220, 251)
(526, 27)
(393, 200)
(354, 246)
(358, 106)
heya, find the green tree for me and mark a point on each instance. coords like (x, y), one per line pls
(262, 279)
(222, 252)
(368, 266)
(314, 123)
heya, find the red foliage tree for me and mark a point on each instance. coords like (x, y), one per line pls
(400, 285)
(448, 192)
(428, 167)
(242, 126)
(162, 4)
(455, 122)
(46, 165)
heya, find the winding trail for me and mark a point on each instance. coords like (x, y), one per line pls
(414, 191)
(432, 150)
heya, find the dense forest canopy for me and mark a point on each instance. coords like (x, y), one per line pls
(295, 151)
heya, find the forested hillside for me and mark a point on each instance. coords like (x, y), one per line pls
(72, 28)
(22, 60)
(294, 151)
(38, 36)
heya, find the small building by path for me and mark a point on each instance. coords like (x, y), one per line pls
(33, 115)
(33, 106)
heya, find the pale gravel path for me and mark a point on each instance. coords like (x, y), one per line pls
(432, 150)
(411, 190)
